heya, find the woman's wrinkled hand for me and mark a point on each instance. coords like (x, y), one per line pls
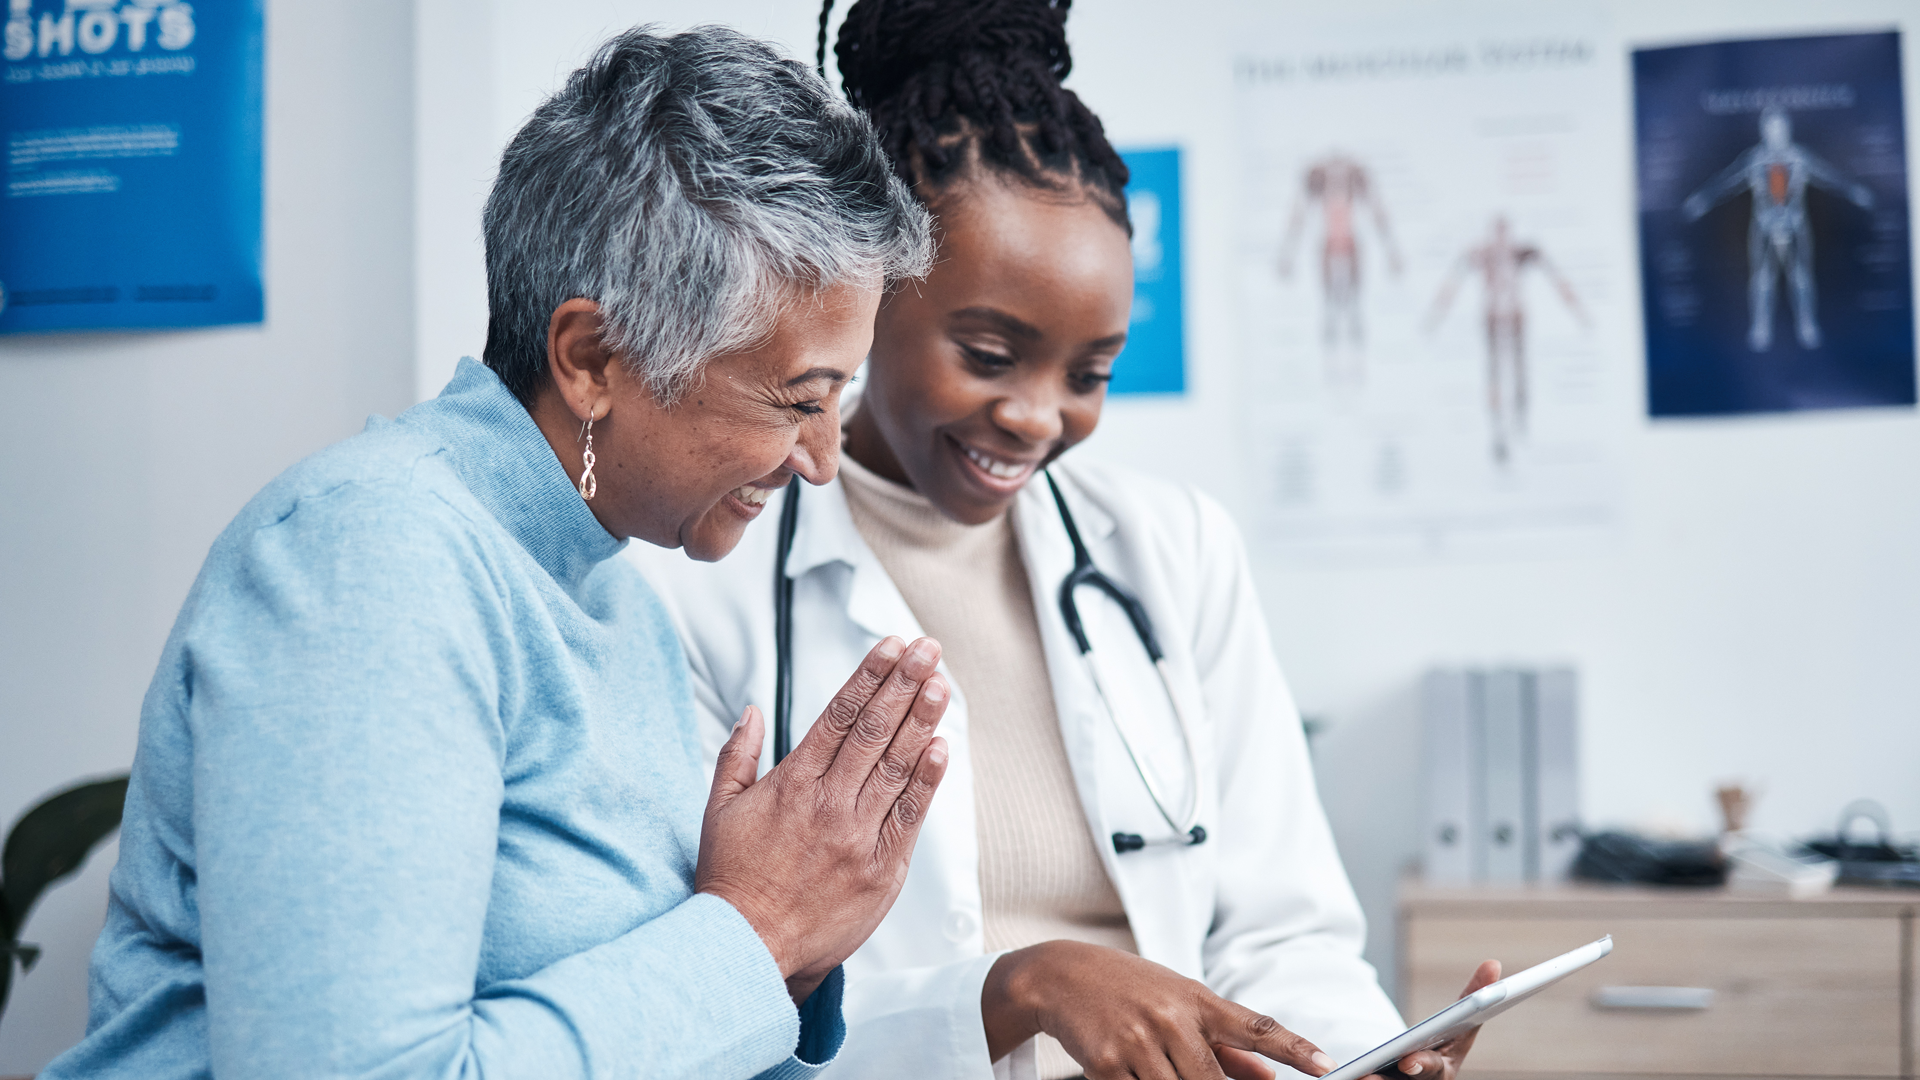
(1122, 1017)
(814, 853)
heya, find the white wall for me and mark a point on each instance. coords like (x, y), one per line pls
(123, 455)
(1756, 617)
(483, 67)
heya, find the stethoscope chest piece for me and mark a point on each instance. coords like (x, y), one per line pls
(1124, 842)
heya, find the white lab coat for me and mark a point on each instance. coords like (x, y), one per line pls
(1262, 912)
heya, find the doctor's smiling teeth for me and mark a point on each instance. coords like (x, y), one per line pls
(1004, 470)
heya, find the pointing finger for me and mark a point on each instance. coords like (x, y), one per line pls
(1242, 1028)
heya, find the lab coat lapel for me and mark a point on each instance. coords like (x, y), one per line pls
(826, 534)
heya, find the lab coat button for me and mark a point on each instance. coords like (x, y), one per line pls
(959, 926)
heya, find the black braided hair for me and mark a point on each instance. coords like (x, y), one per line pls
(956, 85)
(820, 50)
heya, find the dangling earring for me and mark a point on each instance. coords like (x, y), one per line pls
(588, 482)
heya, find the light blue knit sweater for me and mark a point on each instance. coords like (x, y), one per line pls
(418, 794)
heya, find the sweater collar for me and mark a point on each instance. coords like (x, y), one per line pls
(500, 454)
(908, 517)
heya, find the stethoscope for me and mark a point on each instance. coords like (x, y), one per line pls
(1185, 828)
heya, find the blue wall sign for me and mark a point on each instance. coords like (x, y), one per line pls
(133, 164)
(1154, 361)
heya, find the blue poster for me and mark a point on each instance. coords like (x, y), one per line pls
(133, 164)
(1773, 225)
(1154, 361)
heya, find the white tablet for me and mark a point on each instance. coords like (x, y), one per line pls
(1476, 1008)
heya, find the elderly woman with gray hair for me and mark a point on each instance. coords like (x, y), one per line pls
(418, 790)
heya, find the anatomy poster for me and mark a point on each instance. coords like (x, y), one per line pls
(1773, 225)
(1432, 273)
(133, 164)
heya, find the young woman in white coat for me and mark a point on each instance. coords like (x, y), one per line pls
(1058, 917)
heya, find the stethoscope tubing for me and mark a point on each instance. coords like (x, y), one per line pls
(1186, 829)
(783, 625)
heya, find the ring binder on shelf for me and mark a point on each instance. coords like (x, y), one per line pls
(1501, 751)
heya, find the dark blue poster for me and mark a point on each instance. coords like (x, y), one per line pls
(1154, 361)
(1773, 225)
(133, 164)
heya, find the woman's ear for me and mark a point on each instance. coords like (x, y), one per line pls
(578, 360)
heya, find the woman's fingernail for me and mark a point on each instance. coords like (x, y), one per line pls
(1323, 1061)
(1414, 1069)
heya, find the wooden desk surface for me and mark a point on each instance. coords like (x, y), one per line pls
(1825, 986)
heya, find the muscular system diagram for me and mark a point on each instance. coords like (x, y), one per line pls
(1500, 262)
(1338, 187)
(1777, 172)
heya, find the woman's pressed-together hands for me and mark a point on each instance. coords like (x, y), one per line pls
(1123, 1017)
(814, 853)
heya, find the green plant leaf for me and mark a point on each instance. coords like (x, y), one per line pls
(47, 844)
(51, 841)
(27, 954)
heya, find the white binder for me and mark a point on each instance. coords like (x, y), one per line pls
(1505, 752)
(1448, 706)
(1502, 784)
(1556, 719)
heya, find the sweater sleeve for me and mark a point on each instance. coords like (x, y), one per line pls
(344, 686)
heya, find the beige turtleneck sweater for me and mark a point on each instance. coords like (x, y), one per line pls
(1040, 874)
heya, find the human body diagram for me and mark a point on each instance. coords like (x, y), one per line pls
(1500, 263)
(1777, 172)
(1339, 188)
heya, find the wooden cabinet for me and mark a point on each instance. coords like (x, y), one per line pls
(1700, 983)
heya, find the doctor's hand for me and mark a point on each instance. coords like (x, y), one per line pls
(1443, 1061)
(1122, 1017)
(814, 853)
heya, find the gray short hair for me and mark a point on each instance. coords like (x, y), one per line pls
(689, 185)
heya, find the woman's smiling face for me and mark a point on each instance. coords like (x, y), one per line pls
(998, 361)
